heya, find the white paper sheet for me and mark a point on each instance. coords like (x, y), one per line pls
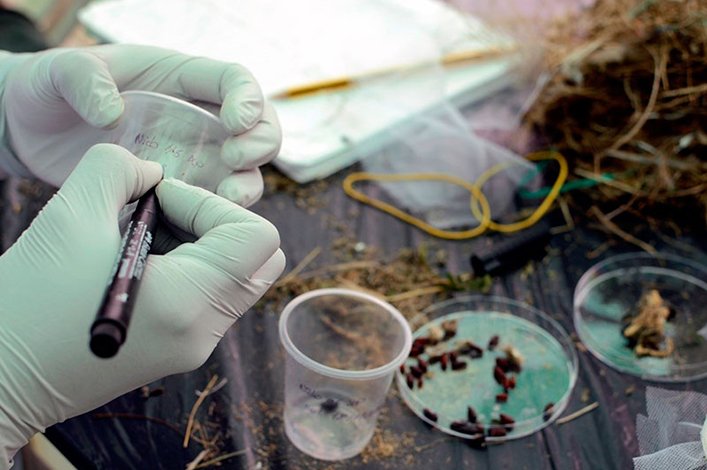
(293, 43)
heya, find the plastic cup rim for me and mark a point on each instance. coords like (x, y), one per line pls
(333, 372)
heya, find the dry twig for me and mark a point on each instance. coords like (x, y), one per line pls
(612, 227)
(220, 458)
(578, 413)
(192, 465)
(197, 404)
(302, 264)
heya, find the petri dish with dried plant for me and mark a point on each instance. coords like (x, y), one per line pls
(488, 369)
(645, 315)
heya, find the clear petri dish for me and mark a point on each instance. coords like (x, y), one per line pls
(184, 138)
(542, 384)
(610, 292)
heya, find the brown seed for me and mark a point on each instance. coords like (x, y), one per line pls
(497, 431)
(410, 380)
(515, 358)
(497, 422)
(466, 427)
(435, 359)
(416, 372)
(477, 442)
(418, 346)
(422, 364)
(493, 342)
(499, 376)
(507, 421)
(415, 351)
(429, 415)
(402, 369)
(511, 382)
(458, 365)
(476, 353)
(420, 382)
(503, 364)
(444, 361)
(473, 350)
(471, 415)
(548, 411)
(502, 398)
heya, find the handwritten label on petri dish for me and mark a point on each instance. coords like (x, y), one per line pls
(170, 149)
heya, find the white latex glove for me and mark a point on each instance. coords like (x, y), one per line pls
(52, 281)
(53, 101)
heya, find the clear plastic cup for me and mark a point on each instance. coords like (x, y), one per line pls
(343, 347)
(184, 138)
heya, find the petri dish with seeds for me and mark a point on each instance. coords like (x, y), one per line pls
(645, 315)
(488, 369)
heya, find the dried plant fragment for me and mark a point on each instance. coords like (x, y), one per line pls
(646, 330)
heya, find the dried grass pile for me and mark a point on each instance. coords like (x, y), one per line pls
(626, 102)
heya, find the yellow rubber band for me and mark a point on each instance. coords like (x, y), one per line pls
(482, 213)
(476, 195)
(544, 206)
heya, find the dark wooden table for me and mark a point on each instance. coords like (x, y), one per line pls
(134, 432)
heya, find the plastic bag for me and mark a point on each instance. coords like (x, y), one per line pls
(439, 140)
(672, 436)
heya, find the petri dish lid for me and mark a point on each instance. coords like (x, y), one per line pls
(541, 385)
(607, 297)
(139, 102)
(184, 138)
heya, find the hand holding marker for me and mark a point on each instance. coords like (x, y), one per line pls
(187, 141)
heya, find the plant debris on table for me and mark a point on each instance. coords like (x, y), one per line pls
(407, 280)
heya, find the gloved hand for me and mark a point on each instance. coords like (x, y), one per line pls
(53, 278)
(52, 101)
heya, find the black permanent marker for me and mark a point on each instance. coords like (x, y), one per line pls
(110, 327)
